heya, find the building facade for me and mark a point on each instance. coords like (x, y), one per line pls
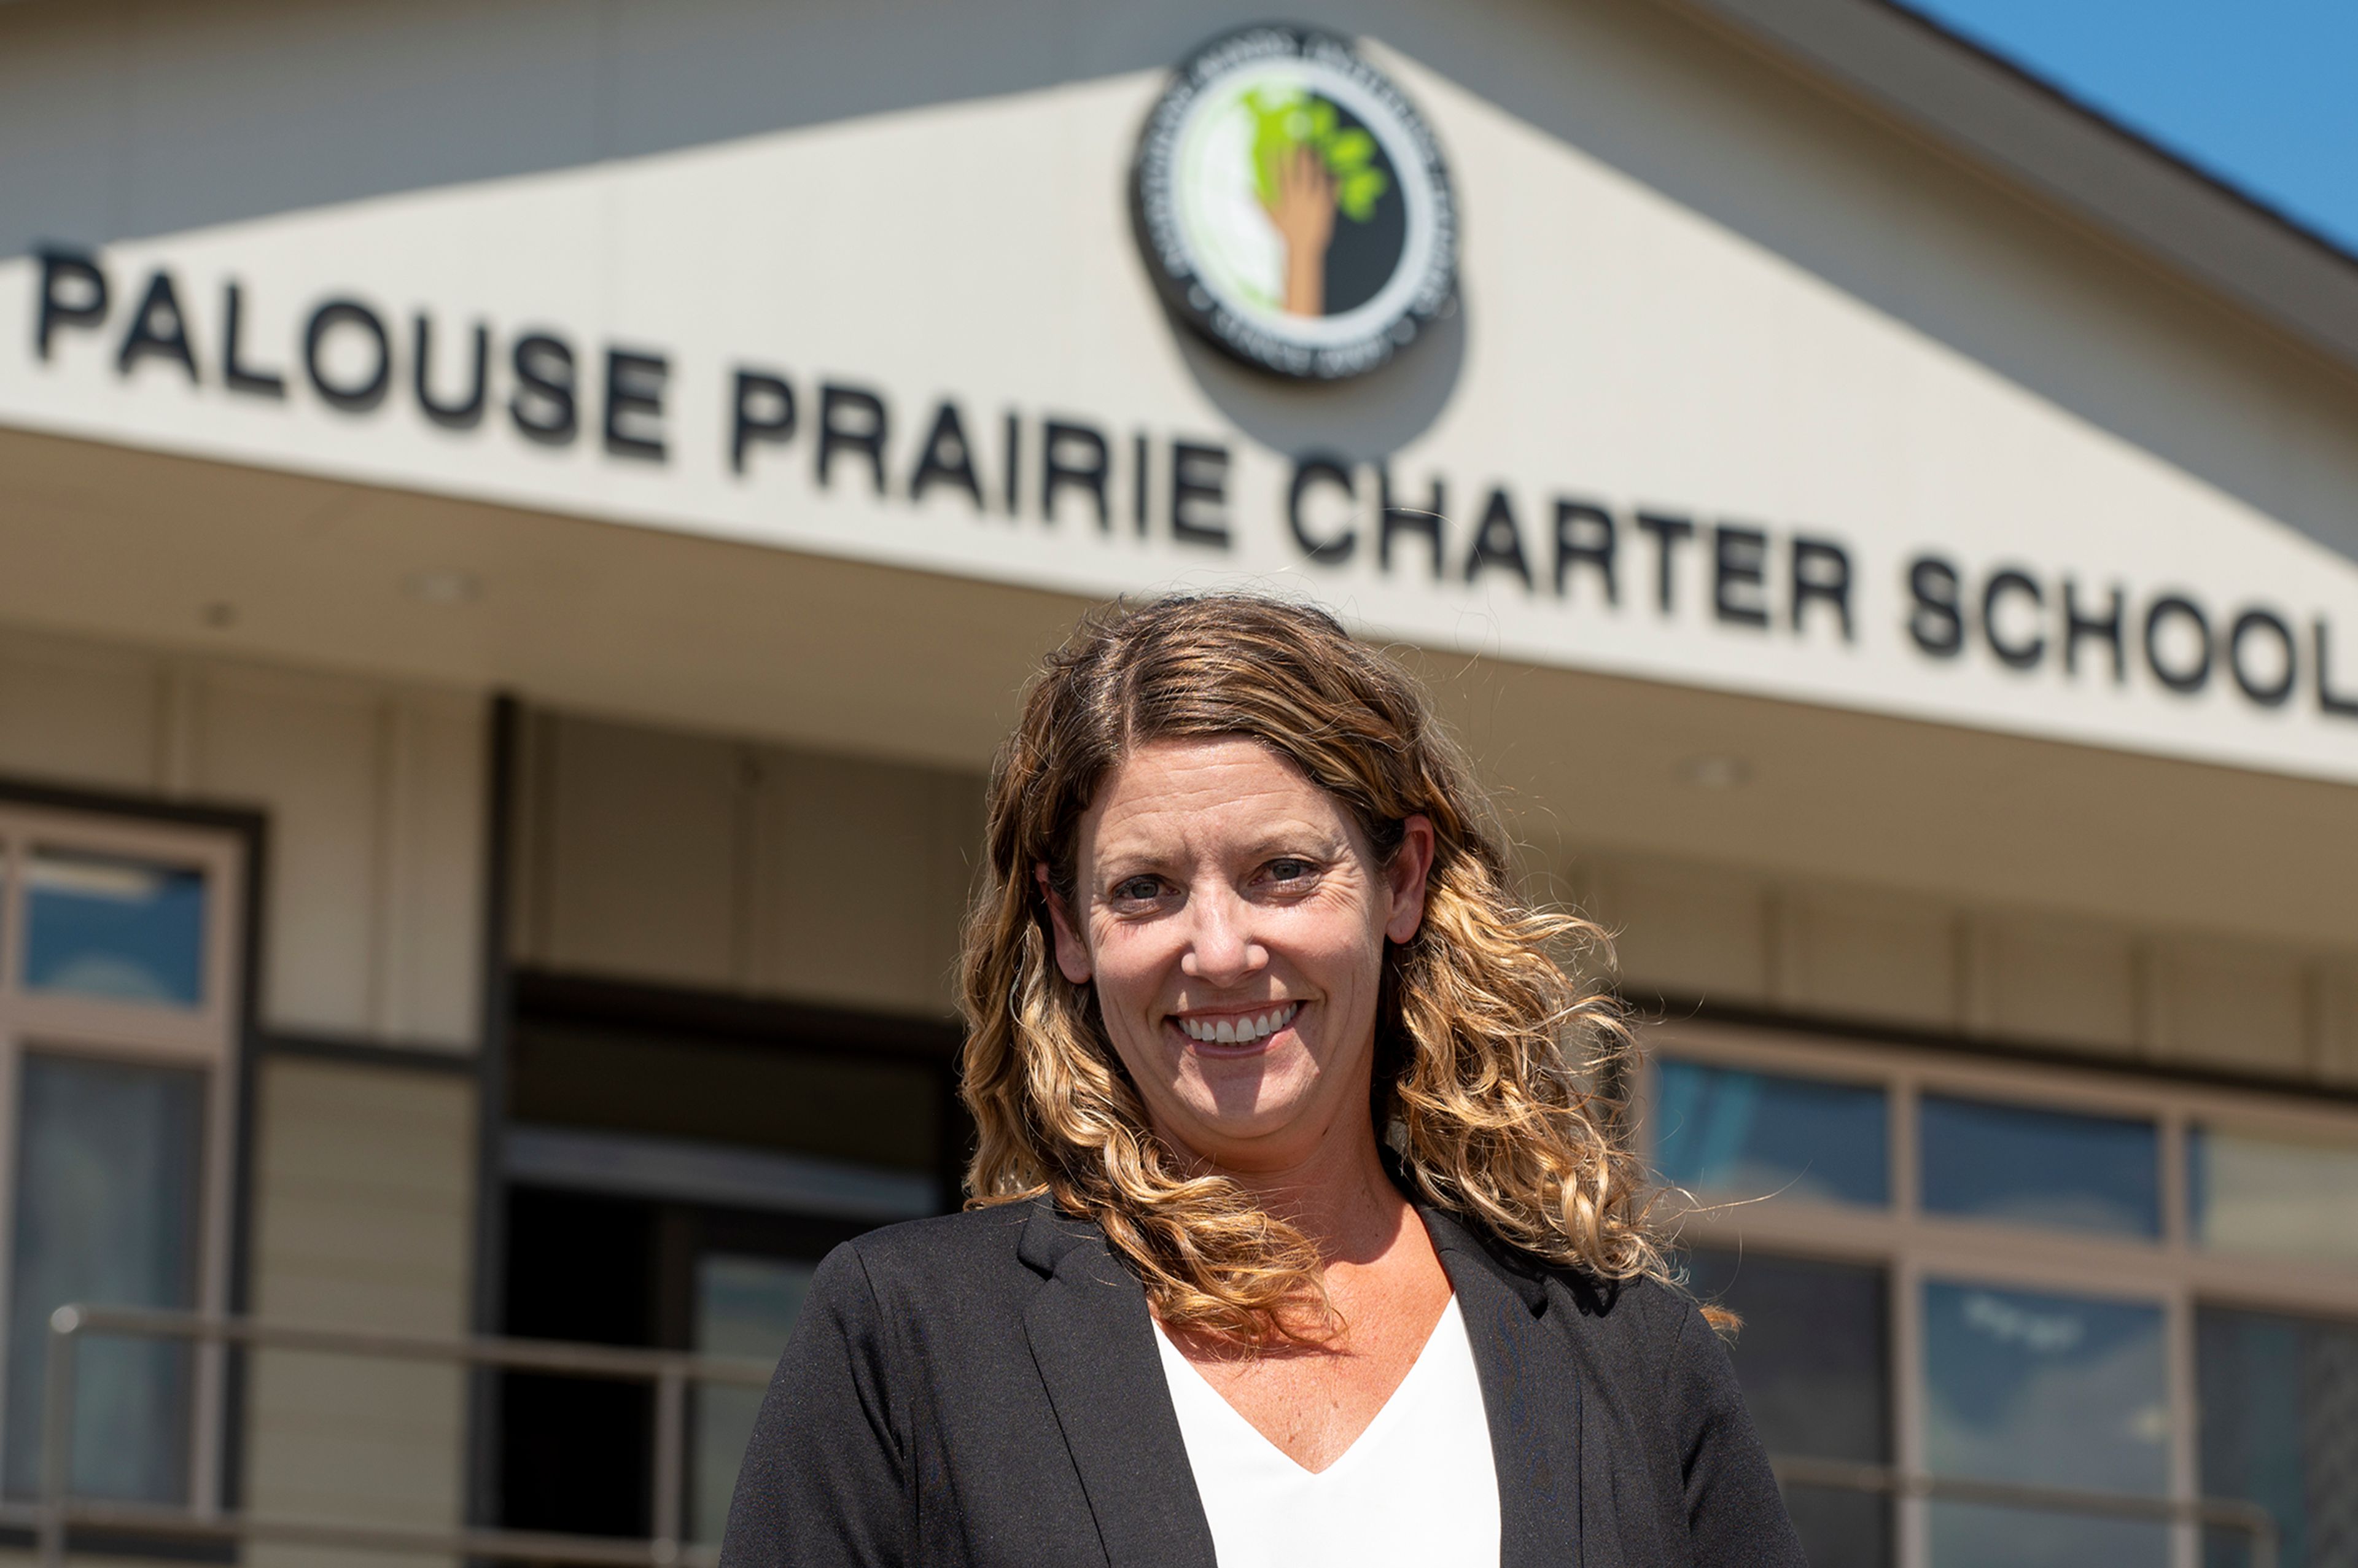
(526, 522)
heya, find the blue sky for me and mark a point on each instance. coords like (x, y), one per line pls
(2262, 94)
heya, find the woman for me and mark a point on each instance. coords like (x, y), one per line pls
(1294, 1237)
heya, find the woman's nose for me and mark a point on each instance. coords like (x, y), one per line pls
(1220, 948)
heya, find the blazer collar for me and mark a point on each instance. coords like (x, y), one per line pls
(1092, 1342)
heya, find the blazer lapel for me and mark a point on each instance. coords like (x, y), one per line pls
(1092, 1342)
(1531, 1394)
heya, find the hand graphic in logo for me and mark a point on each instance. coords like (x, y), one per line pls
(1300, 204)
(1309, 165)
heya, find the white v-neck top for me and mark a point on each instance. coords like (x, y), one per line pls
(1417, 1489)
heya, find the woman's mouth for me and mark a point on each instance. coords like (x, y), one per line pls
(1238, 1029)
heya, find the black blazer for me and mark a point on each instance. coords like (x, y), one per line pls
(984, 1390)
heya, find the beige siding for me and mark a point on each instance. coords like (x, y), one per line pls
(689, 861)
(2049, 978)
(1706, 934)
(1874, 955)
(80, 713)
(364, 1219)
(1695, 930)
(2233, 1004)
(374, 796)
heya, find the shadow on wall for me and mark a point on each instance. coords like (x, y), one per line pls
(1360, 420)
(127, 119)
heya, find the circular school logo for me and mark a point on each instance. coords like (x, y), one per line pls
(1294, 206)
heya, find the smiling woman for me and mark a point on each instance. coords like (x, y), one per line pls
(1296, 1233)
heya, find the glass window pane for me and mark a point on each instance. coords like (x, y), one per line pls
(2293, 1198)
(2050, 1389)
(107, 1182)
(108, 927)
(1753, 1134)
(745, 1306)
(2279, 1402)
(1813, 1355)
(2051, 1167)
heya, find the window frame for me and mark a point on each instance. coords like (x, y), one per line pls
(212, 1038)
(2172, 1273)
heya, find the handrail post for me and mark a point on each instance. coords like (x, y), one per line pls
(671, 1444)
(57, 1432)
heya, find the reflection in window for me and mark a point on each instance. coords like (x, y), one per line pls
(2290, 1199)
(107, 1178)
(1812, 1357)
(745, 1307)
(2050, 1168)
(2279, 1413)
(1752, 1134)
(104, 925)
(2052, 1390)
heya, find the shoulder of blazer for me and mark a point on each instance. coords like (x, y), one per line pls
(992, 1250)
(1641, 1319)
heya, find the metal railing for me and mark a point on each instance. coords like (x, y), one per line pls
(671, 1373)
(2182, 1513)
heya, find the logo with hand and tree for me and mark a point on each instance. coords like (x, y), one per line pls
(1294, 205)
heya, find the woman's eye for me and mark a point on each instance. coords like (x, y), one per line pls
(1137, 890)
(1287, 869)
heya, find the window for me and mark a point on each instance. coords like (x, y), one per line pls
(745, 1307)
(2023, 1274)
(1815, 1359)
(1763, 1132)
(117, 1032)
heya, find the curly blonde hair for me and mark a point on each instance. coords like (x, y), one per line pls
(1489, 1053)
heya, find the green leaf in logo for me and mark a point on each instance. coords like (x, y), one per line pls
(1358, 193)
(1286, 118)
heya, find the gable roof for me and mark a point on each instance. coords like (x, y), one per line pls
(1981, 108)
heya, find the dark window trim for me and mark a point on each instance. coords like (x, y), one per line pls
(501, 807)
(568, 998)
(421, 1058)
(558, 996)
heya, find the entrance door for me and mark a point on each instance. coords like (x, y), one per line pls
(675, 1166)
(740, 1282)
(576, 1454)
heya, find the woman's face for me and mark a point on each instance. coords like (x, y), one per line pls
(1233, 918)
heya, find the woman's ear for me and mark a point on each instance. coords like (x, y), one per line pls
(1072, 953)
(1405, 878)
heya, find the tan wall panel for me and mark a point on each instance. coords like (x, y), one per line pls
(78, 713)
(1865, 955)
(640, 833)
(307, 746)
(2061, 980)
(2232, 1005)
(696, 861)
(2338, 1003)
(1687, 931)
(364, 1219)
(435, 856)
(866, 876)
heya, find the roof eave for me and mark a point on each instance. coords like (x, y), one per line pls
(1979, 106)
